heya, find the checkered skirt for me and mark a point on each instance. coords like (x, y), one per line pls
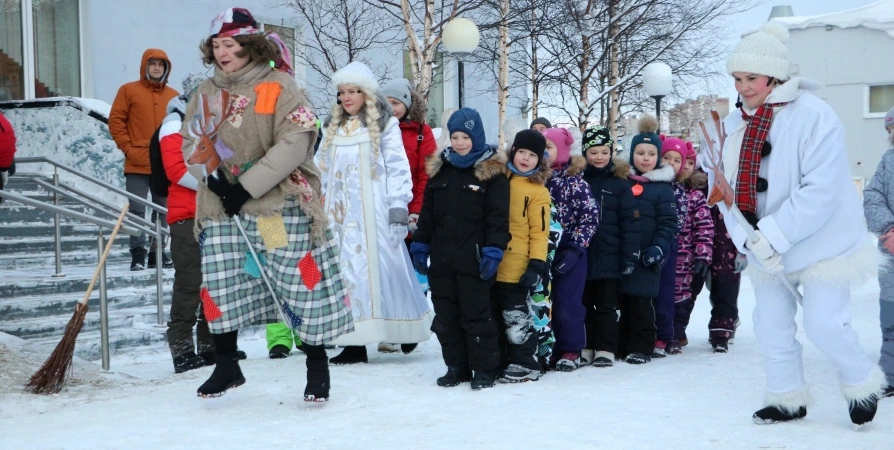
(244, 300)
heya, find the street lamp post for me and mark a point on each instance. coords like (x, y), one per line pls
(460, 38)
(658, 82)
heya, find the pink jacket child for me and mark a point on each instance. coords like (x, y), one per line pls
(695, 242)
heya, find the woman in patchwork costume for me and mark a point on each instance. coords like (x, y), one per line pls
(368, 184)
(249, 135)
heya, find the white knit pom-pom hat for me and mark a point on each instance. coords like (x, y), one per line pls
(762, 53)
(358, 74)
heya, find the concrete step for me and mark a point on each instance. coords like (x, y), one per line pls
(17, 212)
(41, 282)
(118, 256)
(63, 304)
(15, 230)
(47, 326)
(121, 341)
(47, 244)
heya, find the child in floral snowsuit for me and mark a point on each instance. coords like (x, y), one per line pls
(578, 215)
(694, 246)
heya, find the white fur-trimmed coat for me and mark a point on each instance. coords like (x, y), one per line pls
(811, 212)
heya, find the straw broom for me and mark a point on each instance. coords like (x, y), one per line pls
(51, 377)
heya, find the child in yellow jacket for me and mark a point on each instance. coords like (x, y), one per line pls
(524, 262)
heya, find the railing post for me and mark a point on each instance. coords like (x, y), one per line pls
(103, 306)
(159, 275)
(57, 227)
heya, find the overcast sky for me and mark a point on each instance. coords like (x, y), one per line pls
(756, 17)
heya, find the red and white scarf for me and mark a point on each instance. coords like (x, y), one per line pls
(756, 133)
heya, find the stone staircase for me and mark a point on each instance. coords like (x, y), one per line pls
(35, 305)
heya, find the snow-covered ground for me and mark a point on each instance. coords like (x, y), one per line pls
(693, 401)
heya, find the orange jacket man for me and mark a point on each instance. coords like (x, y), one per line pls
(137, 112)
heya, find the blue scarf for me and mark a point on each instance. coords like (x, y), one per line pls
(515, 170)
(469, 159)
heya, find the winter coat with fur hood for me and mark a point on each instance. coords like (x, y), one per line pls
(695, 241)
(657, 215)
(463, 211)
(576, 209)
(137, 111)
(529, 217)
(616, 242)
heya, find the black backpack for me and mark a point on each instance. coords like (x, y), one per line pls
(158, 179)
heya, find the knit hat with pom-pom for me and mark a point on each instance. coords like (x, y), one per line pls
(762, 53)
(648, 134)
(563, 139)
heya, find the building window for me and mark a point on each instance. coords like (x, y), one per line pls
(436, 93)
(881, 98)
(57, 69)
(12, 72)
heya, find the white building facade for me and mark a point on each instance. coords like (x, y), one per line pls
(89, 48)
(850, 53)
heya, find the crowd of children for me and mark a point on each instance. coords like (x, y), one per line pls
(633, 240)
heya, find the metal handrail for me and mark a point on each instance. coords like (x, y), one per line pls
(99, 205)
(65, 212)
(73, 171)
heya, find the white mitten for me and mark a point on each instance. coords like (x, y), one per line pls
(398, 233)
(412, 225)
(766, 255)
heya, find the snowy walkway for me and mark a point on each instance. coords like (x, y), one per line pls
(693, 401)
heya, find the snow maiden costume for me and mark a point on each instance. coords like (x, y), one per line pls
(799, 195)
(266, 178)
(367, 185)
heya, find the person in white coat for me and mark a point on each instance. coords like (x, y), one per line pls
(786, 159)
(367, 185)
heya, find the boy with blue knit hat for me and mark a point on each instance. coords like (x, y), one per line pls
(464, 228)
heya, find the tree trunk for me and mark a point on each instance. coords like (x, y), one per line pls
(614, 109)
(504, 71)
(535, 84)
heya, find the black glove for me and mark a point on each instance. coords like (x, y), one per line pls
(701, 269)
(533, 275)
(219, 185)
(628, 268)
(234, 201)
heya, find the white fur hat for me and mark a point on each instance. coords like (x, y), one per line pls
(762, 52)
(358, 74)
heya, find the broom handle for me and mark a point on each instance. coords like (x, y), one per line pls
(105, 253)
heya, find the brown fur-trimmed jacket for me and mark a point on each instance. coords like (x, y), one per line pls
(463, 211)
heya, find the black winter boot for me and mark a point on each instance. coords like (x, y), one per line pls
(407, 348)
(721, 345)
(188, 361)
(352, 354)
(483, 379)
(226, 375)
(455, 376)
(863, 412)
(317, 389)
(774, 414)
(637, 358)
(166, 262)
(278, 352)
(137, 259)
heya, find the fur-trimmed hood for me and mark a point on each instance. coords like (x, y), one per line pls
(540, 177)
(663, 174)
(484, 170)
(575, 167)
(698, 180)
(619, 169)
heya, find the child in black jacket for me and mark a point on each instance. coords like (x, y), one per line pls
(613, 250)
(464, 228)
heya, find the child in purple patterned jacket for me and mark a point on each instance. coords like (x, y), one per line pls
(579, 215)
(695, 245)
